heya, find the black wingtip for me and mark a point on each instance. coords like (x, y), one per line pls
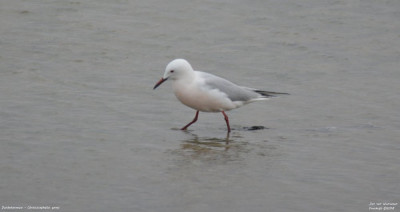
(270, 93)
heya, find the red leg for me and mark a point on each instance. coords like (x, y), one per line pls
(227, 121)
(194, 120)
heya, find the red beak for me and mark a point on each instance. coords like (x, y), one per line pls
(160, 82)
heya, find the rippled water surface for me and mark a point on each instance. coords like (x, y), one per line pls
(81, 128)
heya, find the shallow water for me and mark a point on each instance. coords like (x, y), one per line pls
(81, 128)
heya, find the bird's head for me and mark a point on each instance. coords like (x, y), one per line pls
(174, 70)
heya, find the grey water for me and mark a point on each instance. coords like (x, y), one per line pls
(82, 130)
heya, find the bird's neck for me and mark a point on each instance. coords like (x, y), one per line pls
(184, 81)
(188, 77)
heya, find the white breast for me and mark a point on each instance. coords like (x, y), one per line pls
(201, 98)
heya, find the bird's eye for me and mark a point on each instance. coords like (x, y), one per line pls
(172, 71)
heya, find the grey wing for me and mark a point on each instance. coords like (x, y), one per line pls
(233, 91)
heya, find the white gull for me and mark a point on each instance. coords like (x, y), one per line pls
(208, 93)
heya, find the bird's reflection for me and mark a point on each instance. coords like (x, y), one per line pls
(205, 144)
(211, 148)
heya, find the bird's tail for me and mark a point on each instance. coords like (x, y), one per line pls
(268, 94)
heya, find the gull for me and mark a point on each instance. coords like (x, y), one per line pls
(208, 93)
